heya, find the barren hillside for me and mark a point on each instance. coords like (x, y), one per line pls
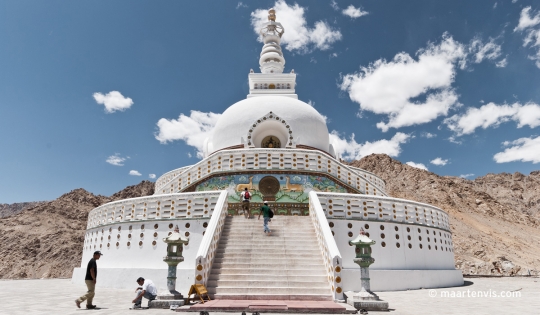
(494, 219)
(7, 210)
(46, 241)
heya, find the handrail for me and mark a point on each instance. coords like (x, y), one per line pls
(255, 159)
(155, 207)
(167, 177)
(209, 243)
(327, 245)
(384, 209)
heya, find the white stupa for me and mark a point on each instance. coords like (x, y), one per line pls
(278, 147)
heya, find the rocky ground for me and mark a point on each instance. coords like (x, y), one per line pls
(7, 210)
(45, 241)
(494, 219)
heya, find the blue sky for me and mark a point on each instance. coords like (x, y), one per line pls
(86, 82)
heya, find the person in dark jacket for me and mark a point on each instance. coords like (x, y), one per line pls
(265, 211)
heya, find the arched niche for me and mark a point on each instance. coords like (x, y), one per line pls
(270, 125)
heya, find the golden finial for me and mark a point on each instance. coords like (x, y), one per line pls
(272, 15)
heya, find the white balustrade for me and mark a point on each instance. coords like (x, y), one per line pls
(273, 159)
(327, 245)
(376, 180)
(155, 207)
(378, 208)
(167, 177)
(209, 244)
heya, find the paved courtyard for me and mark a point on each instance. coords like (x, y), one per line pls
(478, 296)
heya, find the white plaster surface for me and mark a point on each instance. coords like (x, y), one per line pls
(56, 296)
(308, 126)
(396, 280)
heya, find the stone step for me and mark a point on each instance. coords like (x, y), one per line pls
(315, 271)
(265, 255)
(269, 283)
(275, 233)
(261, 277)
(269, 266)
(256, 246)
(255, 296)
(270, 291)
(250, 264)
(285, 250)
(260, 260)
(270, 241)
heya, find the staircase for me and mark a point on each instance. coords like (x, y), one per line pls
(249, 265)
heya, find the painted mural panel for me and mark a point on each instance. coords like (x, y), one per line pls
(293, 187)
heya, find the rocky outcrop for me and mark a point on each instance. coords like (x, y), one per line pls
(45, 241)
(494, 218)
(10, 209)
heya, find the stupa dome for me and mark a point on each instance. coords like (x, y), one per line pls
(291, 118)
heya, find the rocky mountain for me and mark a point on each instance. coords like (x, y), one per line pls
(45, 241)
(10, 209)
(494, 218)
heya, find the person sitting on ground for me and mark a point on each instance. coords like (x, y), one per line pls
(146, 289)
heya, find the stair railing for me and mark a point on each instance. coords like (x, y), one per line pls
(209, 244)
(327, 245)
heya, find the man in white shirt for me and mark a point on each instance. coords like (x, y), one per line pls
(146, 289)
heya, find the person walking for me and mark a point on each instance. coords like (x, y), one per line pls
(265, 211)
(245, 196)
(146, 289)
(90, 280)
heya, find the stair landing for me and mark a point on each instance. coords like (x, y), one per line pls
(274, 306)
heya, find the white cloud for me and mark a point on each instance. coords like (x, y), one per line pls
(501, 63)
(351, 150)
(116, 159)
(417, 165)
(495, 5)
(428, 135)
(492, 115)
(481, 51)
(113, 101)
(353, 12)
(439, 161)
(193, 129)
(298, 35)
(529, 24)
(241, 5)
(409, 91)
(466, 175)
(334, 5)
(134, 173)
(151, 176)
(523, 149)
(526, 20)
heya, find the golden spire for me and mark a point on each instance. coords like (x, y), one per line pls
(272, 15)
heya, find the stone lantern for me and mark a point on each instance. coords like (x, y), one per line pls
(365, 299)
(175, 246)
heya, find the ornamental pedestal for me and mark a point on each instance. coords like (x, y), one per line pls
(171, 298)
(365, 299)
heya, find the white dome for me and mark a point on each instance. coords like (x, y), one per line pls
(305, 124)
